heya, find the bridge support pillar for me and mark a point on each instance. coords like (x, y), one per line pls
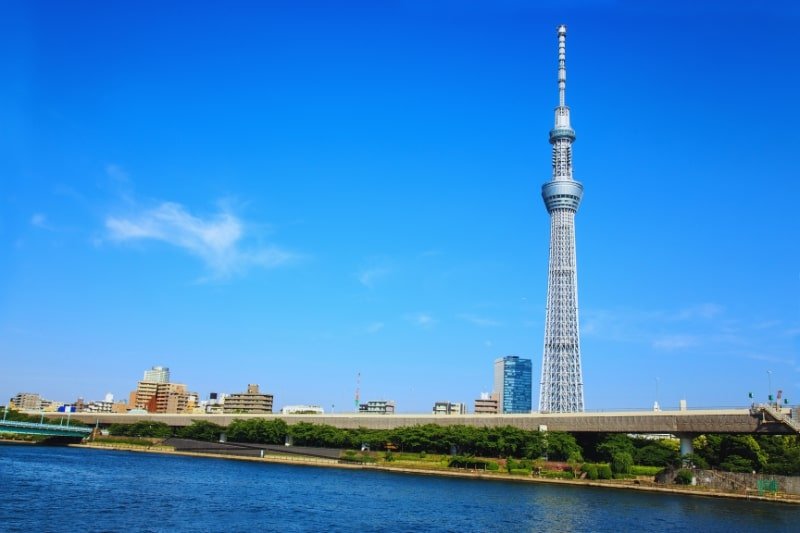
(686, 444)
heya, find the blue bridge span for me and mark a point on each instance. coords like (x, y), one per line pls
(50, 430)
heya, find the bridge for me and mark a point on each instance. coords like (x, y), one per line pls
(50, 430)
(762, 419)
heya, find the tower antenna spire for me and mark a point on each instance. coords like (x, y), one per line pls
(562, 64)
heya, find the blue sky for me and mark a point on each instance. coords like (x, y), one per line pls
(292, 193)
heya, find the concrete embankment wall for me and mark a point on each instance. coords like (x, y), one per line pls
(740, 482)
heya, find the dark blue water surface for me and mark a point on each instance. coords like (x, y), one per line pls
(69, 489)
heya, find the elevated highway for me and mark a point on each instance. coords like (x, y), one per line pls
(757, 419)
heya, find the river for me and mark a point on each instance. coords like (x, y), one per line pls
(70, 489)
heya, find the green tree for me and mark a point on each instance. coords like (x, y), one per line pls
(201, 430)
(258, 430)
(563, 447)
(615, 444)
(783, 454)
(657, 453)
(143, 428)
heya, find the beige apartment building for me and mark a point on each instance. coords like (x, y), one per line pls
(487, 404)
(250, 402)
(156, 397)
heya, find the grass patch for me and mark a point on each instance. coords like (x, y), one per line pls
(638, 470)
(557, 474)
(132, 441)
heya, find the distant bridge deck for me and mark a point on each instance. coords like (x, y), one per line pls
(758, 419)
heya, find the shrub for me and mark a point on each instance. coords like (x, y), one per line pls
(622, 463)
(684, 477)
(604, 471)
(519, 472)
(460, 461)
(558, 474)
(512, 464)
(491, 465)
(590, 470)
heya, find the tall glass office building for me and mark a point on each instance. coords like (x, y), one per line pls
(512, 382)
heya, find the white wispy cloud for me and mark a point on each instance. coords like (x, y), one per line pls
(423, 320)
(675, 342)
(39, 220)
(479, 321)
(375, 327)
(705, 311)
(771, 359)
(370, 276)
(216, 239)
(117, 173)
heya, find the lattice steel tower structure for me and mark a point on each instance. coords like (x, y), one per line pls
(562, 383)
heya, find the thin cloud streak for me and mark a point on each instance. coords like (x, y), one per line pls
(217, 240)
(675, 342)
(375, 327)
(370, 276)
(480, 321)
(39, 220)
(423, 320)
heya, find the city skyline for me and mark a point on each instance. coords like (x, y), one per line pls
(292, 195)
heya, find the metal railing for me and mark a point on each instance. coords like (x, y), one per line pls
(53, 427)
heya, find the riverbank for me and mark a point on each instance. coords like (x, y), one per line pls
(630, 485)
(17, 441)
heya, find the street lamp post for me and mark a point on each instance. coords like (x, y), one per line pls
(769, 378)
(657, 407)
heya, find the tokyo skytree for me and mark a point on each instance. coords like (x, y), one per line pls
(562, 383)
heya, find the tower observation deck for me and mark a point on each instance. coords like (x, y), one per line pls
(562, 382)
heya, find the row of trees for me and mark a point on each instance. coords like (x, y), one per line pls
(504, 441)
(774, 454)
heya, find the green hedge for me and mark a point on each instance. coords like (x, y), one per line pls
(557, 474)
(639, 470)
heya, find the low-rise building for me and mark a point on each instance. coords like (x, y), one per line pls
(377, 407)
(214, 404)
(448, 408)
(487, 404)
(250, 402)
(27, 401)
(100, 407)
